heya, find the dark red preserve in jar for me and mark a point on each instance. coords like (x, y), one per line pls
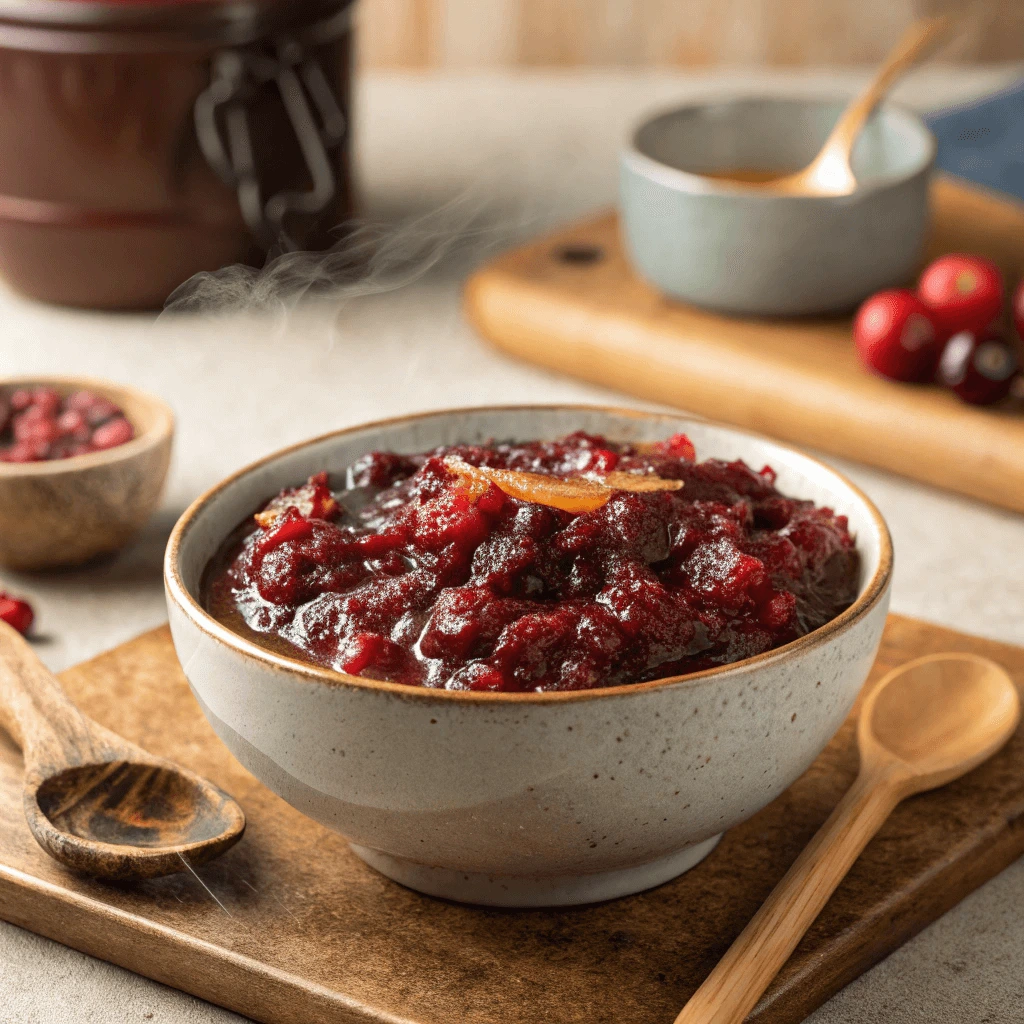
(142, 141)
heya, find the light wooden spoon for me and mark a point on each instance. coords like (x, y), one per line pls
(829, 174)
(96, 802)
(925, 724)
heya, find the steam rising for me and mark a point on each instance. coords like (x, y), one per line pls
(368, 259)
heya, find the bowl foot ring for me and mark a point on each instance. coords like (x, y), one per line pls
(527, 891)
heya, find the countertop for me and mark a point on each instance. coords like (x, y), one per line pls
(453, 168)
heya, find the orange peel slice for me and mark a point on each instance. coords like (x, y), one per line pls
(576, 495)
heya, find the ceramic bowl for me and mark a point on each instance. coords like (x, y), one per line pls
(66, 512)
(526, 799)
(723, 247)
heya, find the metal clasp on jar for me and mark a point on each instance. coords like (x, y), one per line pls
(223, 130)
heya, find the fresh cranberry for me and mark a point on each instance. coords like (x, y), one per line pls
(16, 613)
(895, 336)
(964, 292)
(21, 399)
(979, 367)
(112, 433)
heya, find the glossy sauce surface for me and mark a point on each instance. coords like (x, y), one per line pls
(399, 571)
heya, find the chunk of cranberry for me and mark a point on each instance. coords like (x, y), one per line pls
(430, 584)
(678, 446)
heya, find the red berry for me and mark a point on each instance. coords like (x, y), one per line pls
(979, 367)
(895, 336)
(112, 433)
(679, 446)
(46, 399)
(35, 425)
(15, 613)
(100, 411)
(964, 293)
(21, 399)
(71, 421)
(1018, 310)
(79, 401)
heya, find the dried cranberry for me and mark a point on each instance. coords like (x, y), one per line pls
(114, 432)
(37, 424)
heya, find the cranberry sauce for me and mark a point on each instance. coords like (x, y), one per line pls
(408, 575)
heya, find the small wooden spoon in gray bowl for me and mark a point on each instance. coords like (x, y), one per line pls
(95, 802)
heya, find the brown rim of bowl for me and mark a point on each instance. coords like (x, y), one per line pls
(176, 590)
(155, 434)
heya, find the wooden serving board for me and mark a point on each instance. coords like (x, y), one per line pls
(290, 928)
(571, 302)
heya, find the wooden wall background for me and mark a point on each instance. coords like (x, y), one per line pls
(680, 33)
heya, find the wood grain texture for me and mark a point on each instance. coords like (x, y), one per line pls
(305, 933)
(797, 380)
(926, 723)
(418, 34)
(63, 513)
(95, 802)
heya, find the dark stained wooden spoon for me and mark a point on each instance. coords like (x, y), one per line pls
(96, 802)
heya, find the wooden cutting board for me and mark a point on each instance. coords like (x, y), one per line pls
(290, 928)
(571, 302)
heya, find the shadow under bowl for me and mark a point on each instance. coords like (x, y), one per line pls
(526, 799)
(737, 250)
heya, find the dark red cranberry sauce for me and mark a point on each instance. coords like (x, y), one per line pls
(403, 575)
(37, 424)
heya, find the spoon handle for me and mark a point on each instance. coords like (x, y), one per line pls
(37, 714)
(733, 988)
(911, 48)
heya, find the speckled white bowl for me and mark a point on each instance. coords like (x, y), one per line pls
(538, 798)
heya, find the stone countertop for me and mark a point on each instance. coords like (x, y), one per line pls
(455, 167)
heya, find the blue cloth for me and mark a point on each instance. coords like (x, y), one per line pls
(984, 141)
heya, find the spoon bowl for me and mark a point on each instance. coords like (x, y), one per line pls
(939, 716)
(926, 723)
(96, 802)
(167, 818)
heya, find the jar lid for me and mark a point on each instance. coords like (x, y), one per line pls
(126, 26)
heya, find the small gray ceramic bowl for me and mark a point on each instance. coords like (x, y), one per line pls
(737, 250)
(526, 799)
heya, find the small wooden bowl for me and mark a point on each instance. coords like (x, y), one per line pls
(63, 513)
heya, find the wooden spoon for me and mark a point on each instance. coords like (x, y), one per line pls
(96, 802)
(925, 724)
(829, 174)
